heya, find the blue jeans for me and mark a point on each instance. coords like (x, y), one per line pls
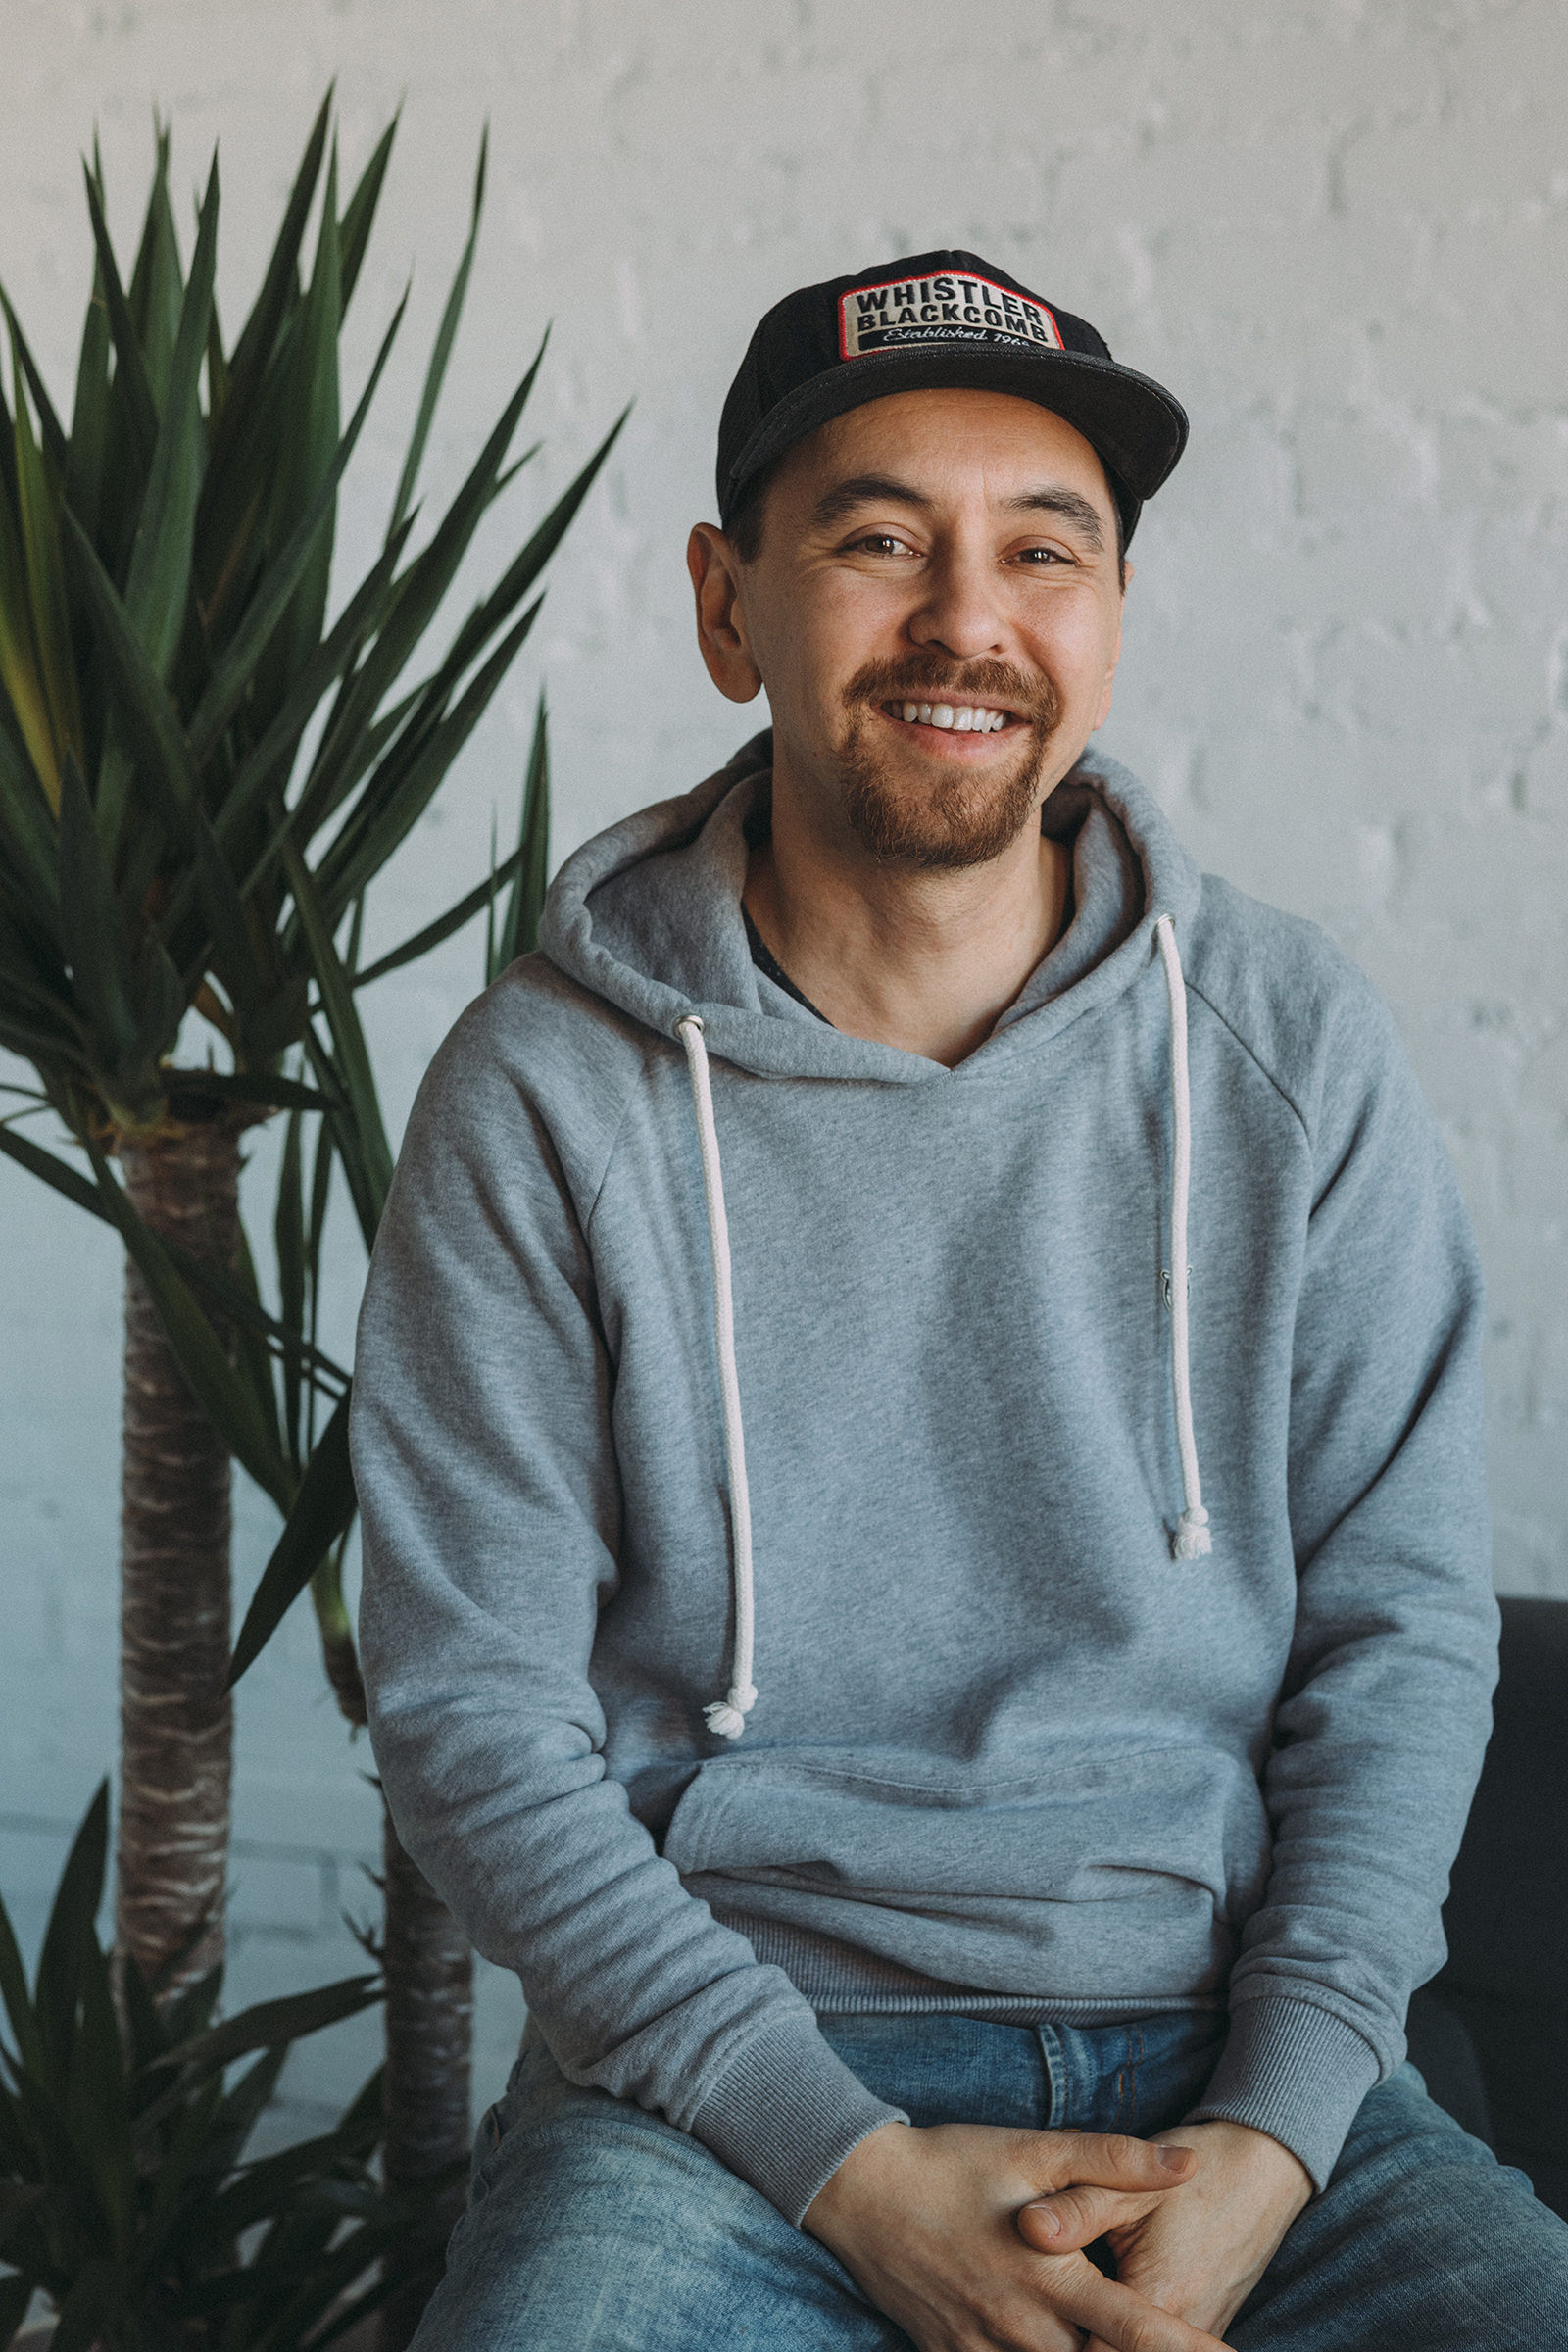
(593, 2227)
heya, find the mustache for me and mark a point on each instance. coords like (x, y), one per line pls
(924, 677)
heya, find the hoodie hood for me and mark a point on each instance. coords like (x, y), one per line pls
(648, 916)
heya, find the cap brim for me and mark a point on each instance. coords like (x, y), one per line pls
(1136, 427)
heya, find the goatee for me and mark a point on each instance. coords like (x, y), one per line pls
(966, 818)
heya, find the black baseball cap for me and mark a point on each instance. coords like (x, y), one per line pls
(928, 322)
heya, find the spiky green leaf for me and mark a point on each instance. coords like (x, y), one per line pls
(351, 1055)
(289, 1242)
(89, 415)
(525, 568)
(441, 351)
(420, 592)
(93, 933)
(354, 230)
(323, 1511)
(405, 785)
(153, 295)
(135, 404)
(519, 933)
(164, 766)
(70, 1932)
(18, 2001)
(270, 2023)
(56, 447)
(472, 902)
(159, 585)
(281, 581)
(306, 457)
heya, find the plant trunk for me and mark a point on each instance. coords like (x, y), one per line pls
(175, 1715)
(429, 2018)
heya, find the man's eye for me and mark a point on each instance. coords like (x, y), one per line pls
(883, 543)
(1040, 557)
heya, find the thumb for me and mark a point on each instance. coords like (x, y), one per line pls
(1108, 2159)
(1075, 2216)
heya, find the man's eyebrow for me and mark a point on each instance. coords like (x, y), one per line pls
(863, 490)
(1070, 505)
(871, 489)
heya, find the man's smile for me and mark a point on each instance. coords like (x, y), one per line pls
(955, 717)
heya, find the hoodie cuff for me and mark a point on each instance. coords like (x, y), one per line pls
(1295, 2071)
(787, 2114)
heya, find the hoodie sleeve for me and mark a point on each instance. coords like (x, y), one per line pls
(1385, 1712)
(488, 1490)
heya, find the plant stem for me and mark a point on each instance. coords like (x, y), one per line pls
(338, 1655)
(430, 2015)
(175, 1715)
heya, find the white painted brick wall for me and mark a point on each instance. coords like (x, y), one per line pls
(1338, 228)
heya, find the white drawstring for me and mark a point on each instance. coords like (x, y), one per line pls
(1191, 1540)
(727, 1715)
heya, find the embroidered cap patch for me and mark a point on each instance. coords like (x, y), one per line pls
(941, 309)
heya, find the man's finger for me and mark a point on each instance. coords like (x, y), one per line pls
(1075, 2216)
(1117, 2318)
(1106, 2160)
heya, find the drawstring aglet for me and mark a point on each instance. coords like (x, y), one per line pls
(726, 1717)
(1190, 1540)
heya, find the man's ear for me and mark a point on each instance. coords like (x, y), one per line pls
(721, 636)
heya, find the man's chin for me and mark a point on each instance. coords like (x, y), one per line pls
(957, 818)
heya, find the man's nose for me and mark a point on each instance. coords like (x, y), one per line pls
(959, 610)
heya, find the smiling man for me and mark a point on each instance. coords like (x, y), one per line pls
(917, 1425)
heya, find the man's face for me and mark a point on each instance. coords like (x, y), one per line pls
(935, 558)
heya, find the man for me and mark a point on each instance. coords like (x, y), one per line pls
(917, 1424)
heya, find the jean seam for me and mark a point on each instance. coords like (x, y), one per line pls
(1126, 2114)
(1050, 2054)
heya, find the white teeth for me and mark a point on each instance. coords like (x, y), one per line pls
(965, 719)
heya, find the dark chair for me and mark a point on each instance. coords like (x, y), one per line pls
(1490, 2032)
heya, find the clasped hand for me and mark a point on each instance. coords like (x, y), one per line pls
(972, 2239)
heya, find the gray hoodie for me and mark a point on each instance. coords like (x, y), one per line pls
(989, 1742)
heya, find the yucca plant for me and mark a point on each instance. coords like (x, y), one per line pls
(200, 775)
(126, 2195)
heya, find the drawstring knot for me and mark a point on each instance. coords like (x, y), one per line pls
(726, 1717)
(1191, 1534)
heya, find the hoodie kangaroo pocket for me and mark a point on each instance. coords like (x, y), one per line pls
(1140, 1861)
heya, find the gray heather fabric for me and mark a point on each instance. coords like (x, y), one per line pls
(1008, 1756)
